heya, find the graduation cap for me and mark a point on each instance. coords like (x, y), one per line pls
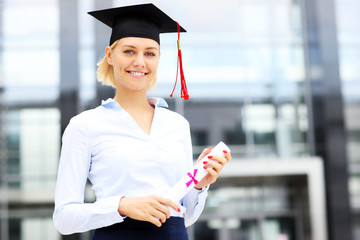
(146, 21)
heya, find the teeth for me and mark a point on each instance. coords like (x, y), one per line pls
(138, 73)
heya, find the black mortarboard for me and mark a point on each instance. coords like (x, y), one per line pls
(144, 20)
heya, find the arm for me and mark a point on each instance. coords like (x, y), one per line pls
(194, 201)
(197, 196)
(71, 214)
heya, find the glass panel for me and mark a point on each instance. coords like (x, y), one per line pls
(87, 75)
(347, 12)
(227, 229)
(13, 146)
(243, 229)
(279, 229)
(356, 222)
(40, 229)
(31, 74)
(33, 148)
(30, 50)
(204, 232)
(87, 68)
(33, 228)
(352, 116)
(252, 130)
(39, 147)
(29, 24)
(252, 199)
(354, 188)
(14, 229)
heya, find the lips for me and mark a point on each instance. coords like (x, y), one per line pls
(137, 74)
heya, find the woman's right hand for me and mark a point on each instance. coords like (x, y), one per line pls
(151, 209)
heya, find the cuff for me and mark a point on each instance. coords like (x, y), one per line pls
(109, 208)
(195, 195)
(203, 189)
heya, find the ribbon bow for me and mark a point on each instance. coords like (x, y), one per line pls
(192, 178)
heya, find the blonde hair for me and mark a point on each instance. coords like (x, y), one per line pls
(105, 72)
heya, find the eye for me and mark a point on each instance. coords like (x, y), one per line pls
(150, 54)
(130, 52)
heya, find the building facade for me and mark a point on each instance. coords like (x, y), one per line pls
(278, 81)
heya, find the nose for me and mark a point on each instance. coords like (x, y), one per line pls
(139, 61)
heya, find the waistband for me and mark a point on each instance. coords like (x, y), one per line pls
(130, 223)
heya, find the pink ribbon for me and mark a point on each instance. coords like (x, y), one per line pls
(192, 178)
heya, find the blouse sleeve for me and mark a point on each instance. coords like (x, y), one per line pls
(194, 201)
(71, 214)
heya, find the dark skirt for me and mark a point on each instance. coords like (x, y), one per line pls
(172, 229)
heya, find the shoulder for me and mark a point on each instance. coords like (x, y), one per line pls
(85, 116)
(84, 121)
(172, 117)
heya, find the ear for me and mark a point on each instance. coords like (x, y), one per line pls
(108, 55)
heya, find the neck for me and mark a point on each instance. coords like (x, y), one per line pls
(131, 99)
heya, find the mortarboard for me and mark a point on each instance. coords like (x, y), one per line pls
(144, 20)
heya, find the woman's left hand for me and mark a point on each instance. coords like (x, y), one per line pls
(213, 165)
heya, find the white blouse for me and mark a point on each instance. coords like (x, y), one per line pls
(107, 146)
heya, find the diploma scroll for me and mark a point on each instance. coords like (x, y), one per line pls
(194, 175)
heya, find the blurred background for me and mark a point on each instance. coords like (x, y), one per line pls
(278, 81)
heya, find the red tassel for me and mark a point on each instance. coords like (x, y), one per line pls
(184, 91)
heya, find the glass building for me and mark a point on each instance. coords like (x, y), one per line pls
(278, 81)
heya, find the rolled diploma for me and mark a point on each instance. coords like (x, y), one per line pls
(186, 183)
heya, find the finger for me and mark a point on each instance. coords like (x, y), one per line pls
(156, 208)
(154, 221)
(168, 202)
(163, 218)
(215, 165)
(204, 153)
(218, 159)
(227, 155)
(159, 215)
(213, 174)
(163, 209)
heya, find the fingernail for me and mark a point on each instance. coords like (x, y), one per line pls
(178, 209)
(205, 162)
(210, 157)
(225, 151)
(209, 148)
(205, 167)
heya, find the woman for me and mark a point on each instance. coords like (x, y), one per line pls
(131, 148)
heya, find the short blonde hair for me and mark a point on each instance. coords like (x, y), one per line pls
(105, 72)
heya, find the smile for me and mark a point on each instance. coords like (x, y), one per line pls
(137, 74)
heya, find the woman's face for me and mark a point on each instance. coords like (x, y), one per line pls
(135, 61)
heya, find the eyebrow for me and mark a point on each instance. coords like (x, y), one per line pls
(148, 48)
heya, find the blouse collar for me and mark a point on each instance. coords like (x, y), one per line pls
(154, 101)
